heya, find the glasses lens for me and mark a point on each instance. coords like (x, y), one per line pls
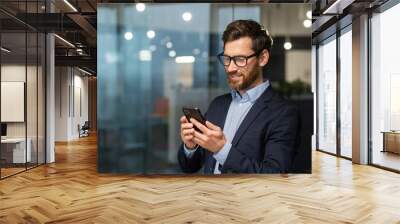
(221, 58)
(226, 60)
(240, 61)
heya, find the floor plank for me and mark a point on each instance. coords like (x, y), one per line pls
(71, 191)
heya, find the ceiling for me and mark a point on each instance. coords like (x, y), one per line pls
(76, 21)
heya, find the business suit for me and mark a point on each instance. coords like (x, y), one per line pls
(265, 141)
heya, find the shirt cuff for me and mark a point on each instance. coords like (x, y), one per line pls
(222, 154)
(189, 152)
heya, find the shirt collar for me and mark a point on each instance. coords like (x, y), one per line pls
(251, 94)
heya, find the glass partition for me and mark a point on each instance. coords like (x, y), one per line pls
(31, 99)
(385, 89)
(22, 91)
(13, 108)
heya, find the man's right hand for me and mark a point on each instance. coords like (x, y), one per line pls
(187, 133)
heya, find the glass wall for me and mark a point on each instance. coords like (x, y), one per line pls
(153, 60)
(22, 93)
(385, 89)
(327, 95)
(329, 111)
(346, 93)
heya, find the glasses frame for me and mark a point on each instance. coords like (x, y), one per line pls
(221, 60)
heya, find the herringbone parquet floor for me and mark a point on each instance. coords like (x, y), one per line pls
(71, 191)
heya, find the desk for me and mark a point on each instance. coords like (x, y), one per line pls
(391, 141)
(18, 149)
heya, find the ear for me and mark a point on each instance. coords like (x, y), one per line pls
(263, 58)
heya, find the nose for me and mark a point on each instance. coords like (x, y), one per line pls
(231, 67)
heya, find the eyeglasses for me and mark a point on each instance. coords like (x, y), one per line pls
(240, 60)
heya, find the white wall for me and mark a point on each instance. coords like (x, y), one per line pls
(71, 93)
(16, 73)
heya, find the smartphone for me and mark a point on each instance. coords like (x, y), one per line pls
(194, 113)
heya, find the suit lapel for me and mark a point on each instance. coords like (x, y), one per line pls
(220, 122)
(259, 106)
(224, 111)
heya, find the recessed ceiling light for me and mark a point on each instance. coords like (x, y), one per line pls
(128, 35)
(187, 16)
(145, 55)
(140, 7)
(287, 45)
(151, 34)
(172, 53)
(307, 23)
(309, 14)
(169, 44)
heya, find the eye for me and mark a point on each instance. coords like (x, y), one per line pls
(240, 60)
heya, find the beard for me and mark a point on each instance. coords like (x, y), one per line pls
(245, 82)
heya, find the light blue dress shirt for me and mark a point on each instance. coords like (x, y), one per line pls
(238, 110)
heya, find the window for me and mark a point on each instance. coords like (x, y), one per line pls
(327, 96)
(385, 89)
(346, 94)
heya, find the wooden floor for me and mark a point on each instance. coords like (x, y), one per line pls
(387, 159)
(71, 191)
(10, 171)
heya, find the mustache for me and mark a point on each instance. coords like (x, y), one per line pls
(235, 73)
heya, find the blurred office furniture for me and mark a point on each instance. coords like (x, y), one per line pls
(84, 130)
(391, 141)
(13, 150)
(3, 130)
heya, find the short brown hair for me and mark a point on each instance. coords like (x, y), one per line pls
(248, 28)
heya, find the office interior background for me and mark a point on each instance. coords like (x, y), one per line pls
(49, 103)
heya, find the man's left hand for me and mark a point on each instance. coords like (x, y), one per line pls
(212, 138)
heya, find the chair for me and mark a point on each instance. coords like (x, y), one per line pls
(84, 130)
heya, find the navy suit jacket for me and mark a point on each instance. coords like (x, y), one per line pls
(265, 141)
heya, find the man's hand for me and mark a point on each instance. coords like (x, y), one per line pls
(212, 138)
(187, 133)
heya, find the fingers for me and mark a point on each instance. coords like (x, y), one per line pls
(212, 126)
(186, 126)
(187, 132)
(198, 141)
(201, 136)
(188, 138)
(199, 125)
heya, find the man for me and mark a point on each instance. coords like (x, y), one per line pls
(250, 130)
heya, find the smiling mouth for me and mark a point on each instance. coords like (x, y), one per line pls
(235, 76)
